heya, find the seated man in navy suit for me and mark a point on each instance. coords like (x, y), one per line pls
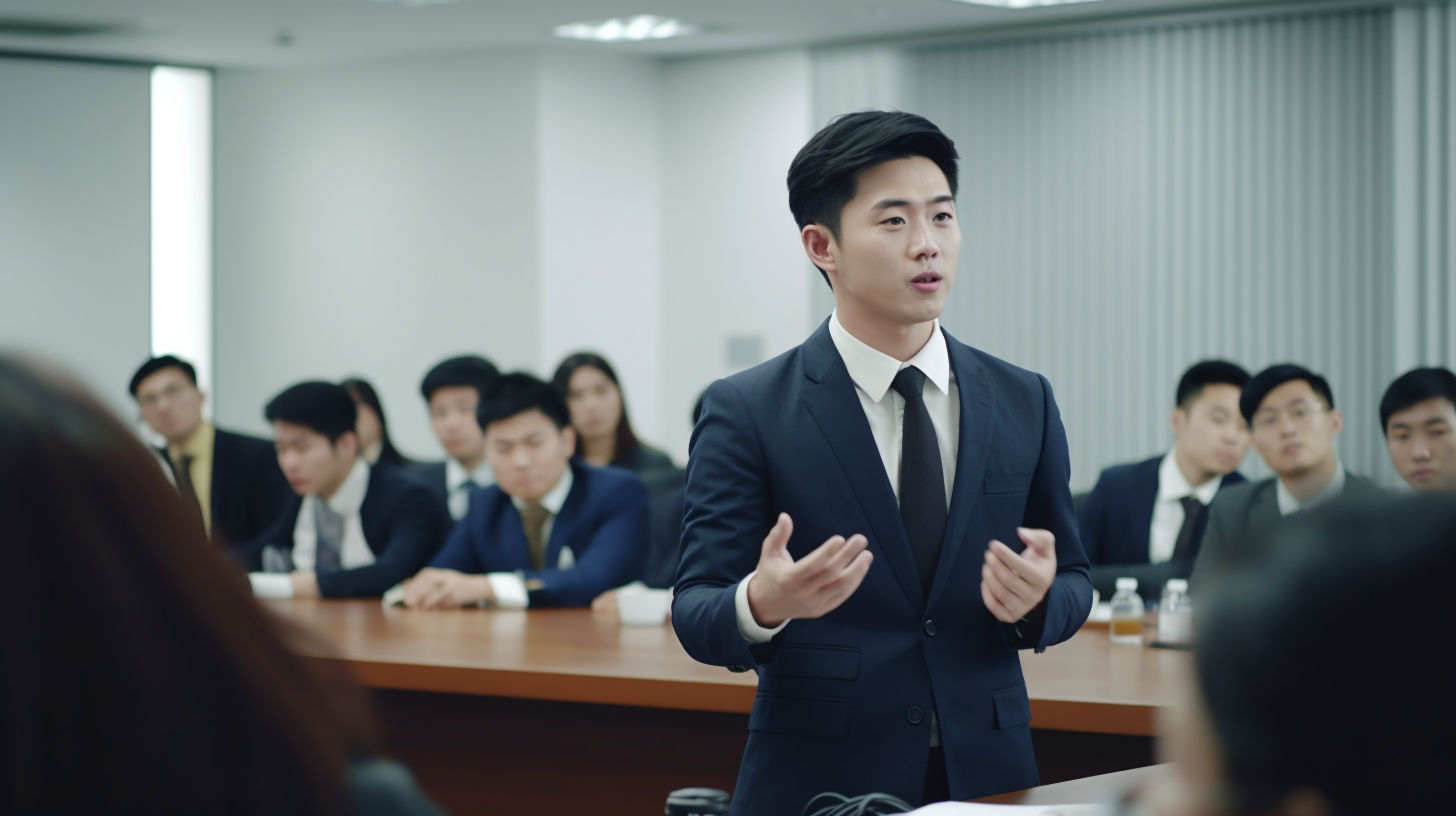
(1146, 520)
(552, 531)
(1418, 414)
(452, 391)
(352, 530)
(229, 481)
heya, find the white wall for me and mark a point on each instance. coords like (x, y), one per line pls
(600, 233)
(732, 263)
(74, 224)
(373, 221)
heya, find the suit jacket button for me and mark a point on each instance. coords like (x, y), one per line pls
(914, 715)
(930, 628)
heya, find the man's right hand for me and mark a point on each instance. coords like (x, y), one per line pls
(811, 587)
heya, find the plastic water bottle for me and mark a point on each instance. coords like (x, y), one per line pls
(1175, 613)
(1127, 613)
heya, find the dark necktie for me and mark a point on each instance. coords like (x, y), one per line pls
(1193, 511)
(533, 519)
(330, 528)
(922, 480)
(185, 488)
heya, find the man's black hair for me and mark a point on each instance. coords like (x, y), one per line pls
(1201, 375)
(470, 371)
(156, 364)
(1276, 375)
(518, 392)
(323, 407)
(1416, 386)
(824, 176)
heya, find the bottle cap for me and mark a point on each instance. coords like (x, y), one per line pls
(1178, 584)
(1126, 583)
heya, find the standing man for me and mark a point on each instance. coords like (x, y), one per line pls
(847, 504)
(1291, 411)
(1146, 520)
(230, 481)
(1418, 414)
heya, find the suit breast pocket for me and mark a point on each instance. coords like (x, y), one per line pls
(1000, 485)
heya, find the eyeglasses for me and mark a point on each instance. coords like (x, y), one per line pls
(168, 393)
(1299, 413)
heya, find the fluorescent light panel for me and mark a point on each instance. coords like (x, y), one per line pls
(1021, 4)
(626, 29)
(182, 216)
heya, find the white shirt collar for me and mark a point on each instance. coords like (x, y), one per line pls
(1173, 485)
(554, 498)
(347, 500)
(873, 370)
(1289, 504)
(456, 475)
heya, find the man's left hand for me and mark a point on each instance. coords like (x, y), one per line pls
(1012, 585)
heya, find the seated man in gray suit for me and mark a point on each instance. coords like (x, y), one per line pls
(1292, 414)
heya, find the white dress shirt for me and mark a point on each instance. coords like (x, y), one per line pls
(1168, 513)
(456, 492)
(509, 588)
(1289, 504)
(872, 372)
(354, 550)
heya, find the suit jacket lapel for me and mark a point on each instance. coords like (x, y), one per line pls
(1264, 508)
(977, 429)
(833, 403)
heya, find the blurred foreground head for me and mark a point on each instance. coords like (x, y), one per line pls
(1322, 665)
(137, 670)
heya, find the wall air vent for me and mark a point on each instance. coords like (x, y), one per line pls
(43, 28)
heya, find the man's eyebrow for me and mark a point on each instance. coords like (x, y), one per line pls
(901, 202)
(1436, 421)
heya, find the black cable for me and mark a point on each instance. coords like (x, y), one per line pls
(870, 804)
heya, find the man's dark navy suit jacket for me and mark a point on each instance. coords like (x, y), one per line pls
(603, 521)
(844, 701)
(248, 489)
(1116, 523)
(403, 525)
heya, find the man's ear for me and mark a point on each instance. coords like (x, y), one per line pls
(347, 445)
(1177, 420)
(820, 246)
(1337, 422)
(568, 437)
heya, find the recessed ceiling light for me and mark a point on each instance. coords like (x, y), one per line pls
(626, 29)
(1021, 4)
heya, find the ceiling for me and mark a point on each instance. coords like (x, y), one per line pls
(284, 33)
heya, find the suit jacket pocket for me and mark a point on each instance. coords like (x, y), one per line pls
(829, 662)
(1006, 484)
(1013, 707)
(800, 716)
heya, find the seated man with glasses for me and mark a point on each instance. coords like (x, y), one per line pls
(1293, 421)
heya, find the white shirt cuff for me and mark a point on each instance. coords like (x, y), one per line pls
(747, 626)
(509, 590)
(273, 586)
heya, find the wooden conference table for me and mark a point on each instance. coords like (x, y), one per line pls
(552, 710)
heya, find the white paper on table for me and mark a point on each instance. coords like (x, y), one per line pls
(972, 809)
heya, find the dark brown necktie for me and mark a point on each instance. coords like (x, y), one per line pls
(1193, 511)
(533, 519)
(185, 488)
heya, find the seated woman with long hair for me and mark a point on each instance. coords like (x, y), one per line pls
(599, 415)
(1322, 683)
(137, 671)
(373, 429)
